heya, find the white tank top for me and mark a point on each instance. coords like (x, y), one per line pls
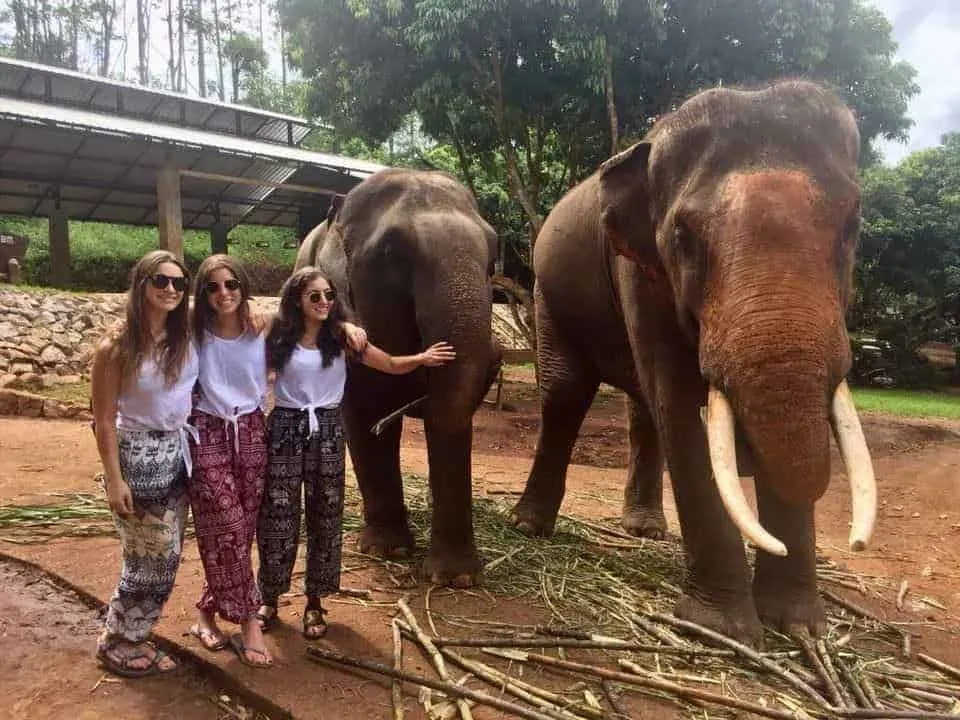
(304, 384)
(147, 403)
(233, 375)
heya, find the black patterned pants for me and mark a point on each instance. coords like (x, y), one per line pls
(315, 462)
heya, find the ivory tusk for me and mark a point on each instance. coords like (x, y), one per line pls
(856, 457)
(721, 440)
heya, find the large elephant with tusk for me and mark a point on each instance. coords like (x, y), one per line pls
(412, 259)
(706, 271)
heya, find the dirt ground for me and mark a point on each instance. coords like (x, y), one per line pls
(917, 540)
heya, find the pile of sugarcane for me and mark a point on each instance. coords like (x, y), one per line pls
(609, 597)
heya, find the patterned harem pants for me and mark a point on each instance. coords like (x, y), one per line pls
(152, 464)
(317, 462)
(225, 491)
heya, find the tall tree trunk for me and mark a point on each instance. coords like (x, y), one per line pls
(494, 83)
(283, 45)
(217, 41)
(201, 51)
(172, 64)
(234, 70)
(74, 35)
(611, 99)
(181, 51)
(143, 41)
(108, 10)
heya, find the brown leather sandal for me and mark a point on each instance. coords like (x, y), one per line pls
(314, 626)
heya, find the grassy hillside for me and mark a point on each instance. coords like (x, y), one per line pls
(101, 254)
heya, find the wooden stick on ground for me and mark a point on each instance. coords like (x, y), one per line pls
(511, 686)
(884, 714)
(741, 649)
(614, 700)
(851, 606)
(939, 665)
(657, 684)
(320, 655)
(596, 644)
(396, 688)
(828, 682)
(858, 693)
(427, 644)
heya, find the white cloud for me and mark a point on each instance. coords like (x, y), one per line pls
(928, 32)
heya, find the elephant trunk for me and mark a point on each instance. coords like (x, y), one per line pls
(778, 373)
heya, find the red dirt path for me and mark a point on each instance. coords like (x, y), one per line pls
(918, 539)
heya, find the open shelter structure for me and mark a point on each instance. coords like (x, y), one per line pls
(80, 147)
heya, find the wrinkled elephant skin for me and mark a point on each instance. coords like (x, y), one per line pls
(411, 255)
(716, 254)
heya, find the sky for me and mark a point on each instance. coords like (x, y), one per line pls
(928, 32)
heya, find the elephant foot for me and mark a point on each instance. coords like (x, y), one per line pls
(391, 543)
(791, 610)
(644, 523)
(446, 568)
(532, 520)
(736, 618)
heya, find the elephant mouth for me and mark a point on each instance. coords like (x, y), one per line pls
(719, 420)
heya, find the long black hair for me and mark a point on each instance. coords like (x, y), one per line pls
(289, 325)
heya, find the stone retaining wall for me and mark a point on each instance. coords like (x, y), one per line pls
(47, 338)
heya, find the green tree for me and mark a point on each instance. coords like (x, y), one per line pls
(547, 86)
(908, 273)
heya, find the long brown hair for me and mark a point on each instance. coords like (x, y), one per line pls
(202, 312)
(289, 325)
(132, 341)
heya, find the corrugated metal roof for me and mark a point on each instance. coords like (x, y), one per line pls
(31, 81)
(104, 167)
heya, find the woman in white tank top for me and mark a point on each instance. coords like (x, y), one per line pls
(142, 378)
(230, 454)
(305, 347)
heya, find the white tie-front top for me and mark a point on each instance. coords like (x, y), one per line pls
(304, 384)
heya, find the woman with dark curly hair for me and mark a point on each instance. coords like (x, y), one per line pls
(230, 454)
(142, 377)
(306, 349)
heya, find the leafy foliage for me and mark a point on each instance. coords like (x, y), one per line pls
(908, 275)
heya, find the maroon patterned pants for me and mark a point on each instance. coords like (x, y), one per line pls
(225, 493)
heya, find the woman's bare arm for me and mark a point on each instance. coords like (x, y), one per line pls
(105, 393)
(437, 354)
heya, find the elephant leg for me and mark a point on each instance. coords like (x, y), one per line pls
(452, 558)
(376, 462)
(785, 588)
(717, 592)
(643, 494)
(566, 392)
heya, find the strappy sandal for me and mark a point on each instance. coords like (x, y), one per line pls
(120, 664)
(314, 626)
(212, 640)
(236, 641)
(267, 617)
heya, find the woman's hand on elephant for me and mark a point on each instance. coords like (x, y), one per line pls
(356, 337)
(119, 497)
(438, 354)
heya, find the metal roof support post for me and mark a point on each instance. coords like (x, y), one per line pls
(59, 232)
(169, 212)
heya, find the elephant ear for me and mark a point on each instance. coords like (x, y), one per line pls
(625, 204)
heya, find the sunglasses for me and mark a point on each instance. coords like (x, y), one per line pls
(160, 282)
(317, 297)
(231, 285)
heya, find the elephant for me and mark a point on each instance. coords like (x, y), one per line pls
(413, 259)
(706, 271)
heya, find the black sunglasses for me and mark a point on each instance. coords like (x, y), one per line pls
(316, 296)
(213, 286)
(160, 282)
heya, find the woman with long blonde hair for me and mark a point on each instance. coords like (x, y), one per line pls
(143, 375)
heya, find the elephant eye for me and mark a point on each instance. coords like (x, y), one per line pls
(683, 238)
